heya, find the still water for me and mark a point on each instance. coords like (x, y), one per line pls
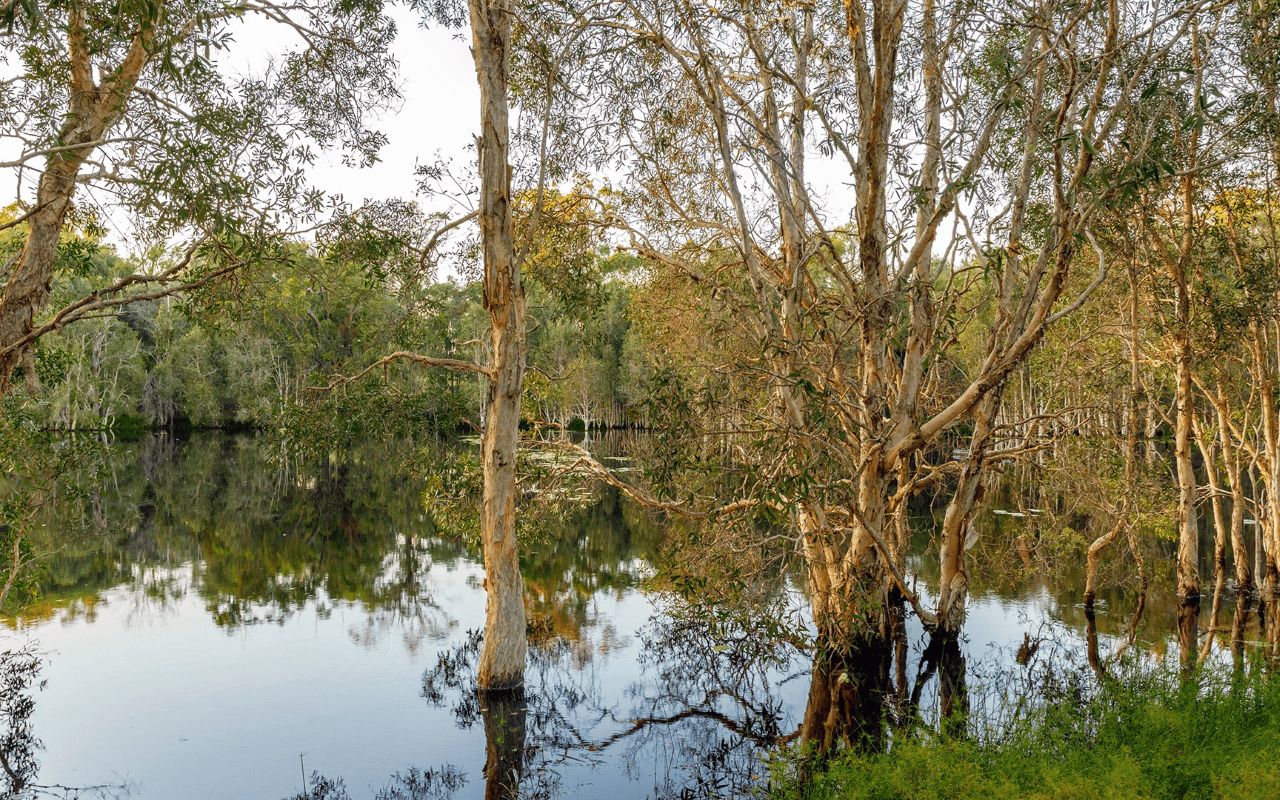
(217, 624)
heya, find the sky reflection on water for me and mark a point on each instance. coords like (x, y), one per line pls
(222, 618)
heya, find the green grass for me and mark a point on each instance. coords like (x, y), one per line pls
(1145, 736)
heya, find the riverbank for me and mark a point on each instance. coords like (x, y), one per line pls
(1141, 734)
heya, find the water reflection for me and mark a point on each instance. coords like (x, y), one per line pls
(19, 671)
(178, 541)
(213, 609)
(705, 713)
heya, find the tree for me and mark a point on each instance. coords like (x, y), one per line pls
(124, 98)
(502, 659)
(839, 337)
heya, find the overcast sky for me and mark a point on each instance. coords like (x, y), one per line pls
(440, 111)
(440, 114)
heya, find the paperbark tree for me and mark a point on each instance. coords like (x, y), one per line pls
(118, 97)
(842, 332)
(502, 658)
(503, 652)
(1170, 225)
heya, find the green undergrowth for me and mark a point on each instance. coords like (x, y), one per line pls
(1144, 736)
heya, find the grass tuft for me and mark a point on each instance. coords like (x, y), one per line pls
(1145, 734)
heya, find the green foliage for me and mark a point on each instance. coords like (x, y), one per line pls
(588, 366)
(1148, 734)
(453, 490)
(34, 465)
(241, 358)
(268, 535)
(202, 146)
(269, 349)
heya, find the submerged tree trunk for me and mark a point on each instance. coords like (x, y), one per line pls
(848, 691)
(502, 657)
(953, 691)
(1188, 525)
(504, 735)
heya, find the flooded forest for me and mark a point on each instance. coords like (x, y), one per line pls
(759, 399)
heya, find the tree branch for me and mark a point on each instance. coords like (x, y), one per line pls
(404, 355)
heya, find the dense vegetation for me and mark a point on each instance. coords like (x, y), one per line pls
(293, 327)
(866, 270)
(1152, 735)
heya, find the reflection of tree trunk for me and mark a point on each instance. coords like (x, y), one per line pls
(847, 696)
(953, 693)
(504, 728)
(1244, 605)
(1142, 605)
(1188, 627)
(1091, 641)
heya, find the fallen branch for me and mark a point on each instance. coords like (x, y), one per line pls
(404, 355)
(641, 496)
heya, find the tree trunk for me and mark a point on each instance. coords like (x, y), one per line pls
(502, 656)
(28, 288)
(958, 533)
(1219, 538)
(1239, 550)
(504, 734)
(1188, 528)
(92, 110)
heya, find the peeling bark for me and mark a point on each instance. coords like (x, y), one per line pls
(502, 656)
(92, 110)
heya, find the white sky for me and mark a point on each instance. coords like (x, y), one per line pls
(439, 114)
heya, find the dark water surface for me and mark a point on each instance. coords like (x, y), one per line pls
(222, 615)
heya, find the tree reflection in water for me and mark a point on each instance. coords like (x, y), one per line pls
(415, 784)
(20, 669)
(862, 698)
(266, 540)
(704, 713)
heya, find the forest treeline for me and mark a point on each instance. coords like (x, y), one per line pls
(176, 363)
